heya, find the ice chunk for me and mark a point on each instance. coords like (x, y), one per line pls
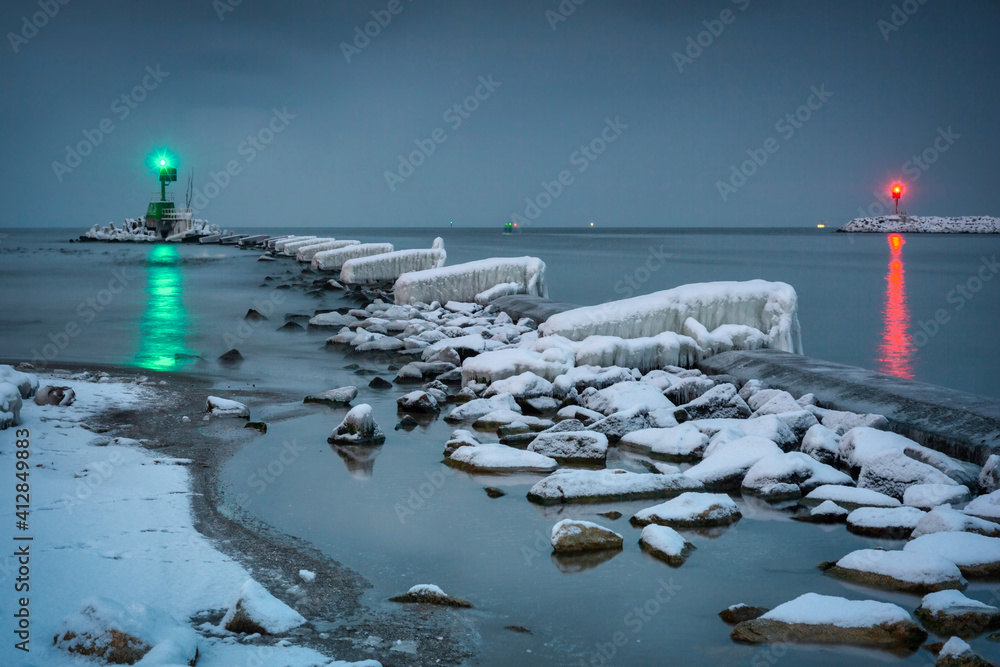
(462, 282)
(645, 353)
(387, 267)
(333, 260)
(770, 307)
(503, 289)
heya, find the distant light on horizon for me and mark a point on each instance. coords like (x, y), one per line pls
(821, 226)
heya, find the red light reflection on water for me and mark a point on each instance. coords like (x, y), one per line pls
(896, 351)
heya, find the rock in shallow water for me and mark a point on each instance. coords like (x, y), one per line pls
(569, 536)
(738, 613)
(430, 594)
(952, 613)
(358, 428)
(338, 396)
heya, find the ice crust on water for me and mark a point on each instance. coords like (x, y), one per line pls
(333, 260)
(462, 282)
(387, 267)
(769, 307)
(816, 609)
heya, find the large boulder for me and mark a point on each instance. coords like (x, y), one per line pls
(598, 486)
(725, 466)
(975, 555)
(570, 536)
(571, 445)
(895, 523)
(947, 520)
(690, 510)
(420, 402)
(822, 619)
(26, 383)
(338, 396)
(720, 402)
(952, 613)
(358, 428)
(906, 571)
(680, 443)
(892, 472)
(10, 405)
(500, 458)
(790, 468)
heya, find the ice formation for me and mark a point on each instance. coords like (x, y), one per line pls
(333, 260)
(292, 247)
(769, 307)
(462, 282)
(306, 253)
(387, 267)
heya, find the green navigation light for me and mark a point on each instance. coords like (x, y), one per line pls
(164, 325)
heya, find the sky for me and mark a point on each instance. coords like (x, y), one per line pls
(732, 113)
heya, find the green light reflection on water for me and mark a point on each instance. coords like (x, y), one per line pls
(164, 325)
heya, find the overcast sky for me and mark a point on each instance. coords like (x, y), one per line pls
(643, 125)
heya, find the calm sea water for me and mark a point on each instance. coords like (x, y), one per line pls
(400, 517)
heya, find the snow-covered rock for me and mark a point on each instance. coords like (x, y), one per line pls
(358, 428)
(570, 535)
(223, 407)
(485, 297)
(690, 510)
(958, 653)
(975, 555)
(944, 519)
(824, 619)
(908, 571)
(685, 390)
(828, 512)
(333, 260)
(417, 401)
(768, 426)
(989, 476)
(460, 438)
(10, 405)
(894, 523)
(598, 486)
(462, 282)
(929, 496)
(794, 468)
(524, 385)
(841, 422)
(822, 444)
(573, 445)
(332, 319)
(644, 353)
(952, 613)
(26, 383)
(256, 610)
(430, 594)
(986, 506)
(306, 253)
(624, 396)
(680, 443)
(500, 364)
(851, 497)
(892, 472)
(338, 396)
(720, 402)
(582, 414)
(765, 306)
(618, 425)
(479, 407)
(387, 267)
(127, 634)
(665, 543)
(724, 467)
(490, 457)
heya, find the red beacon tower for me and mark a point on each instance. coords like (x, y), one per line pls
(897, 192)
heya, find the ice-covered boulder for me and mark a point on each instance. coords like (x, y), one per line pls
(946, 520)
(571, 445)
(892, 472)
(824, 619)
(795, 468)
(598, 486)
(257, 611)
(338, 396)
(291, 248)
(690, 510)
(826, 512)
(989, 476)
(387, 267)
(525, 385)
(723, 468)
(618, 425)
(684, 390)
(720, 402)
(460, 438)
(358, 428)
(462, 282)
(624, 396)
(841, 422)
(580, 413)
(768, 426)
(477, 408)
(851, 497)
(306, 253)
(417, 401)
(500, 364)
(489, 457)
(644, 353)
(485, 297)
(680, 443)
(26, 383)
(665, 543)
(975, 555)
(822, 444)
(332, 319)
(769, 307)
(333, 260)
(986, 506)
(952, 613)
(223, 407)
(10, 405)
(430, 594)
(571, 536)
(906, 571)
(929, 496)
(118, 633)
(894, 523)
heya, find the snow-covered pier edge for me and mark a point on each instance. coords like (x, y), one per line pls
(912, 224)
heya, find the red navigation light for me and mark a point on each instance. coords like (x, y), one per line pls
(897, 190)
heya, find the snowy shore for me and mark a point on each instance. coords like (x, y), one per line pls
(978, 224)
